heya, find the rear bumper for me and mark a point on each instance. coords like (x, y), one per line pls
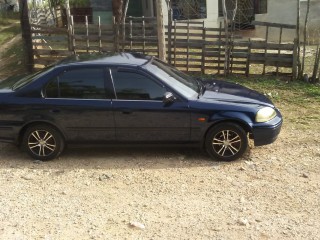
(267, 133)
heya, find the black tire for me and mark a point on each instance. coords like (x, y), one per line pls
(43, 142)
(226, 142)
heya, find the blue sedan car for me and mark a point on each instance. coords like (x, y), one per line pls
(131, 98)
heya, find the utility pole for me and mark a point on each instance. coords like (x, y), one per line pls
(160, 30)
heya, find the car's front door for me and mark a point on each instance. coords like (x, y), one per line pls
(139, 111)
(78, 101)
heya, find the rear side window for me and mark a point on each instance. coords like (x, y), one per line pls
(84, 83)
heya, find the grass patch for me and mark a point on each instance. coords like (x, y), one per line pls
(7, 18)
(8, 33)
(14, 61)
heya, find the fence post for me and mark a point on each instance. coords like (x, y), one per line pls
(99, 26)
(143, 34)
(248, 59)
(72, 36)
(130, 34)
(279, 51)
(175, 43)
(87, 33)
(169, 35)
(188, 35)
(265, 51)
(203, 49)
(219, 51)
(295, 59)
(316, 65)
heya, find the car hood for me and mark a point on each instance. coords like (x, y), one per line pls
(229, 92)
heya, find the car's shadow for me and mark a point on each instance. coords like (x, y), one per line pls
(144, 157)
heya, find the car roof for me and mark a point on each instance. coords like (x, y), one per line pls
(132, 59)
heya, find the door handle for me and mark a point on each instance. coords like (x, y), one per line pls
(54, 110)
(126, 111)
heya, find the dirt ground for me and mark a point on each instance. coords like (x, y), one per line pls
(273, 192)
(119, 193)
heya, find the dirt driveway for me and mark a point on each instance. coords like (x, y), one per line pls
(272, 193)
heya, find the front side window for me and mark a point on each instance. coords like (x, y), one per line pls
(84, 83)
(180, 82)
(135, 86)
(189, 9)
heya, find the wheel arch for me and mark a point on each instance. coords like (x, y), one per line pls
(244, 125)
(33, 123)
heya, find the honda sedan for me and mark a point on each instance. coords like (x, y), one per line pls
(131, 98)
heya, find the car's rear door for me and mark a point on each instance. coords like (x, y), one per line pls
(139, 112)
(79, 102)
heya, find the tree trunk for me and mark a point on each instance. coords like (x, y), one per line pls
(169, 6)
(124, 15)
(117, 6)
(26, 33)
(161, 36)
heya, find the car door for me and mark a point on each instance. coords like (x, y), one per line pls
(140, 113)
(80, 103)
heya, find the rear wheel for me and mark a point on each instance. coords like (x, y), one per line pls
(226, 142)
(43, 142)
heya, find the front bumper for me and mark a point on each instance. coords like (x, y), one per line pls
(267, 133)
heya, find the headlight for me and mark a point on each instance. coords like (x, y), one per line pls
(265, 114)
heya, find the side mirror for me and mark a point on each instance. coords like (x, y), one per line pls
(168, 97)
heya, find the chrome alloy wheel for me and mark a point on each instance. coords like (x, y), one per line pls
(226, 143)
(41, 143)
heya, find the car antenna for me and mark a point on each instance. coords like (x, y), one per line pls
(149, 61)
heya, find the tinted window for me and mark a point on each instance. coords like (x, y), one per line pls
(78, 83)
(135, 86)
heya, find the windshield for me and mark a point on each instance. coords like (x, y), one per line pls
(176, 79)
(29, 78)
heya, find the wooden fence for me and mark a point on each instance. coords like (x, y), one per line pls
(191, 46)
(194, 48)
(140, 36)
(50, 44)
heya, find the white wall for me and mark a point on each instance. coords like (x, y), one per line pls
(285, 11)
(279, 11)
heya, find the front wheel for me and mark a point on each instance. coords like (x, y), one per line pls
(42, 142)
(226, 142)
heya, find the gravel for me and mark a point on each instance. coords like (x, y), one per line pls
(118, 193)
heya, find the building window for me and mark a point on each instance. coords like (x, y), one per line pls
(189, 9)
(220, 8)
(260, 6)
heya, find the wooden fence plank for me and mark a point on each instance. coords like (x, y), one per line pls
(277, 25)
